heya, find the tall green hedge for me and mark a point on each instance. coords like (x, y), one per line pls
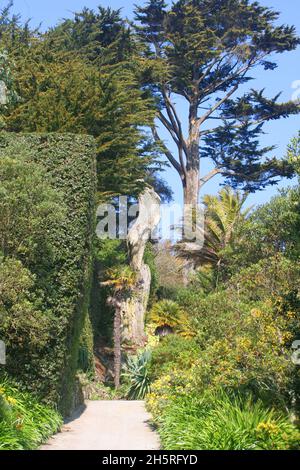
(70, 165)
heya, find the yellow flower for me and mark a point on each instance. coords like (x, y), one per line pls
(270, 428)
(244, 343)
(291, 315)
(11, 401)
(286, 337)
(2, 391)
(270, 330)
(255, 313)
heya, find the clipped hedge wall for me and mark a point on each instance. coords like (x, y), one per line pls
(70, 162)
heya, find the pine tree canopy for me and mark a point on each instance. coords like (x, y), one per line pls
(75, 78)
(98, 74)
(205, 51)
(102, 37)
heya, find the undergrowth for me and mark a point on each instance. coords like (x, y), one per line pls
(25, 424)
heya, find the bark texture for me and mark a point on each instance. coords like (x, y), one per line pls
(191, 187)
(117, 344)
(134, 308)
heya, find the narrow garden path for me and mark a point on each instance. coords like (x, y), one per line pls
(107, 425)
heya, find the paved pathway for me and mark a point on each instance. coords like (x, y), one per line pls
(107, 425)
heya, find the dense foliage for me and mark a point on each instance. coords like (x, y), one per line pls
(77, 103)
(80, 77)
(24, 423)
(217, 421)
(234, 385)
(47, 223)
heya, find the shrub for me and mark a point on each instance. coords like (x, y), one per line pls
(166, 388)
(243, 348)
(244, 341)
(221, 422)
(29, 207)
(86, 349)
(174, 353)
(212, 315)
(272, 229)
(251, 351)
(171, 314)
(24, 324)
(274, 276)
(62, 279)
(137, 373)
(24, 423)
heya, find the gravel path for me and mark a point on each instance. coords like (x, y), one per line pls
(107, 425)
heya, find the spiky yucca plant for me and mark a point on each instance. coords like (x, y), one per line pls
(137, 372)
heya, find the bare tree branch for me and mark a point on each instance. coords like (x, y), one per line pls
(214, 88)
(173, 116)
(217, 105)
(170, 112)
(169, 127)
(217, 171)
(209, 176)
(242, 72)
(215, 62)
(167, 152)
(179, 144)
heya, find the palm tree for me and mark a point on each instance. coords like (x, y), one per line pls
(223, 213)
(122, 280)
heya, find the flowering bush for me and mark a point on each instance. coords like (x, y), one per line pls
(173, 354)
(254, 355)
(230, 387)
(165, 390)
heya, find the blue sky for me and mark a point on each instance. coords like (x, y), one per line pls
(279, 133)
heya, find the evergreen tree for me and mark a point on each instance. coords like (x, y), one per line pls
(100, 36)
(8, 96)
(75, 79)
(3, 84)
(204, 51)
(293, 153)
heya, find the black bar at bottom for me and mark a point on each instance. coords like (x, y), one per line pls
(136, 459)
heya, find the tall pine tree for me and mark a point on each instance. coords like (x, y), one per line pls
(80, 77)
(204, 51)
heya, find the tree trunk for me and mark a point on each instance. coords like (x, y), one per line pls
(133, 309)
(117, 346)
(191, 187)
(192, 172)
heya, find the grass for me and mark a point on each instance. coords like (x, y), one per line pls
(24, 423)
(220, 422)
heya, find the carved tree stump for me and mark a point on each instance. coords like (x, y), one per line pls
(133, 309)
